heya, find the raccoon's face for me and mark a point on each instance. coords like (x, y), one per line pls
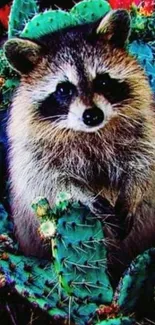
(80, 78)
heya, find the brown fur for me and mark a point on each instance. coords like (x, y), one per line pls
(116, 162)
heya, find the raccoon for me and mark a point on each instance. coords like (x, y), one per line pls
(82, 121)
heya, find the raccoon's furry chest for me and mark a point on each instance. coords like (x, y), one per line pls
(33, 174)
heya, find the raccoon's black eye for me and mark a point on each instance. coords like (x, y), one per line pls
(112, 89)
(58, 102)
(65, 89)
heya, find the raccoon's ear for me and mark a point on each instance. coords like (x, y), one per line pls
(115, 27)
(22, 54)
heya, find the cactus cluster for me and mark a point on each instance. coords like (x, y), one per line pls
(78, 249)
(21, 12)
(90, 10)
(75, 285)
(80, 259)
(145, 54)
(47, 22)
(54, 20)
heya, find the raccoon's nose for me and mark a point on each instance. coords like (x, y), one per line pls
(93, 116)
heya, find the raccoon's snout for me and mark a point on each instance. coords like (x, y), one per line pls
(93, 116)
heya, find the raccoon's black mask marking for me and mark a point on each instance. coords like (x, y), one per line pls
(113, 90)
(74, 46)
(58, 102)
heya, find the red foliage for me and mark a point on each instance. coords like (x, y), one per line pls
(147, 6)
(4, 15)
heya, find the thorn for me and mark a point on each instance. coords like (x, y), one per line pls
(10, 314)
(69, 309)
(56, 285)
(57, 7)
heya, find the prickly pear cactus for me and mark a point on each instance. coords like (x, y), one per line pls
(138, 281)
(54, 20)
(47, 22)
(145, 54)
(67, 287)
(139, 277)
(21, 12)
(90, 10)
(78, 248)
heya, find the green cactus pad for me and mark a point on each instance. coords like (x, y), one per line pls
(132, 284)
(54, 20)
(145, 54)
(40, 282)
(48, 22)
(90, 10)
(80, 260)
(21, 12)
(80, 257)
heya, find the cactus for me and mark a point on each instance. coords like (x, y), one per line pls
(140, 276)
(138, 280)
(39, 281)
(47, 22)
(21, 12)
(80, 258)
(49, 285)
(90, 10)
(75, 284)
(54, 20)
(145, 54)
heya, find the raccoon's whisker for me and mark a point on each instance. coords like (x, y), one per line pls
(129, 118)
(77, 177)
(57, 7)
(52, 117)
